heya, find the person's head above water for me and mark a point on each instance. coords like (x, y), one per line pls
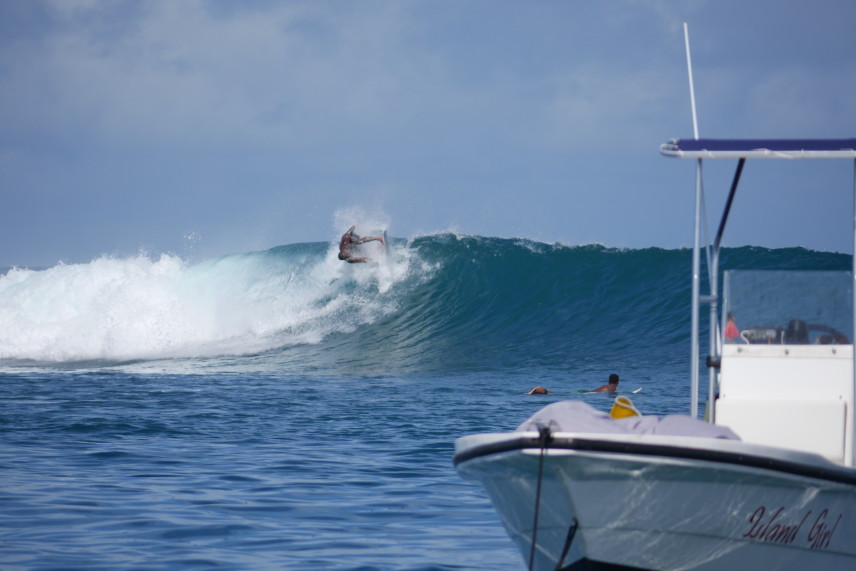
(613, 379)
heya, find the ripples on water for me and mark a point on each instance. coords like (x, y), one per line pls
(113, 470)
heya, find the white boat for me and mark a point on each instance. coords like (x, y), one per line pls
(575, 492)
(647, 501)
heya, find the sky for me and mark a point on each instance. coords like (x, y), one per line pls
(209, 127)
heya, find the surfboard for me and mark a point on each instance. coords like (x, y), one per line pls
(385, 243)
(585, 392)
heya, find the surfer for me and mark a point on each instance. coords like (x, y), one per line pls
(349, 240)
(539, 390)
(610, 387)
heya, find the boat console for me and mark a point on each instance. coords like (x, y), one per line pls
(788, 385)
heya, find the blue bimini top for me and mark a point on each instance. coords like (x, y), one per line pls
(760, 148)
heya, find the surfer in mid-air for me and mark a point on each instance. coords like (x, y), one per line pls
(349, 240)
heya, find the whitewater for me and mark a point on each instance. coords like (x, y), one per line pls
(280, 409)
(143, 308)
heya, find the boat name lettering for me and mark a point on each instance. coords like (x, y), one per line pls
(774, 526)
(823, 529)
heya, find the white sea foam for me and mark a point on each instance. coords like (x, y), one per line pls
(143, 308)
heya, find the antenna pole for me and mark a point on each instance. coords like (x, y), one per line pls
(696, 281)
(690, 74)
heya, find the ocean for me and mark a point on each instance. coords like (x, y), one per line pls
(284, 410)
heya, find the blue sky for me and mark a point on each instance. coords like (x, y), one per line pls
(211, 127)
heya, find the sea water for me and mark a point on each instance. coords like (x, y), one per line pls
(283, 410)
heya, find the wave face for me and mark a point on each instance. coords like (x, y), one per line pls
(436, 304)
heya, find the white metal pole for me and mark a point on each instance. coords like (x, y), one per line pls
(696, 285)
(694, 353)
(690, 74)
(850, 412)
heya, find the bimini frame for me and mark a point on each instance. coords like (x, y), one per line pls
(741, 150)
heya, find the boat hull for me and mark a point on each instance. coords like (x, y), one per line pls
(651, 502)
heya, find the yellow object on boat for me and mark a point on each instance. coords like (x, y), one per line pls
(623, 408)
